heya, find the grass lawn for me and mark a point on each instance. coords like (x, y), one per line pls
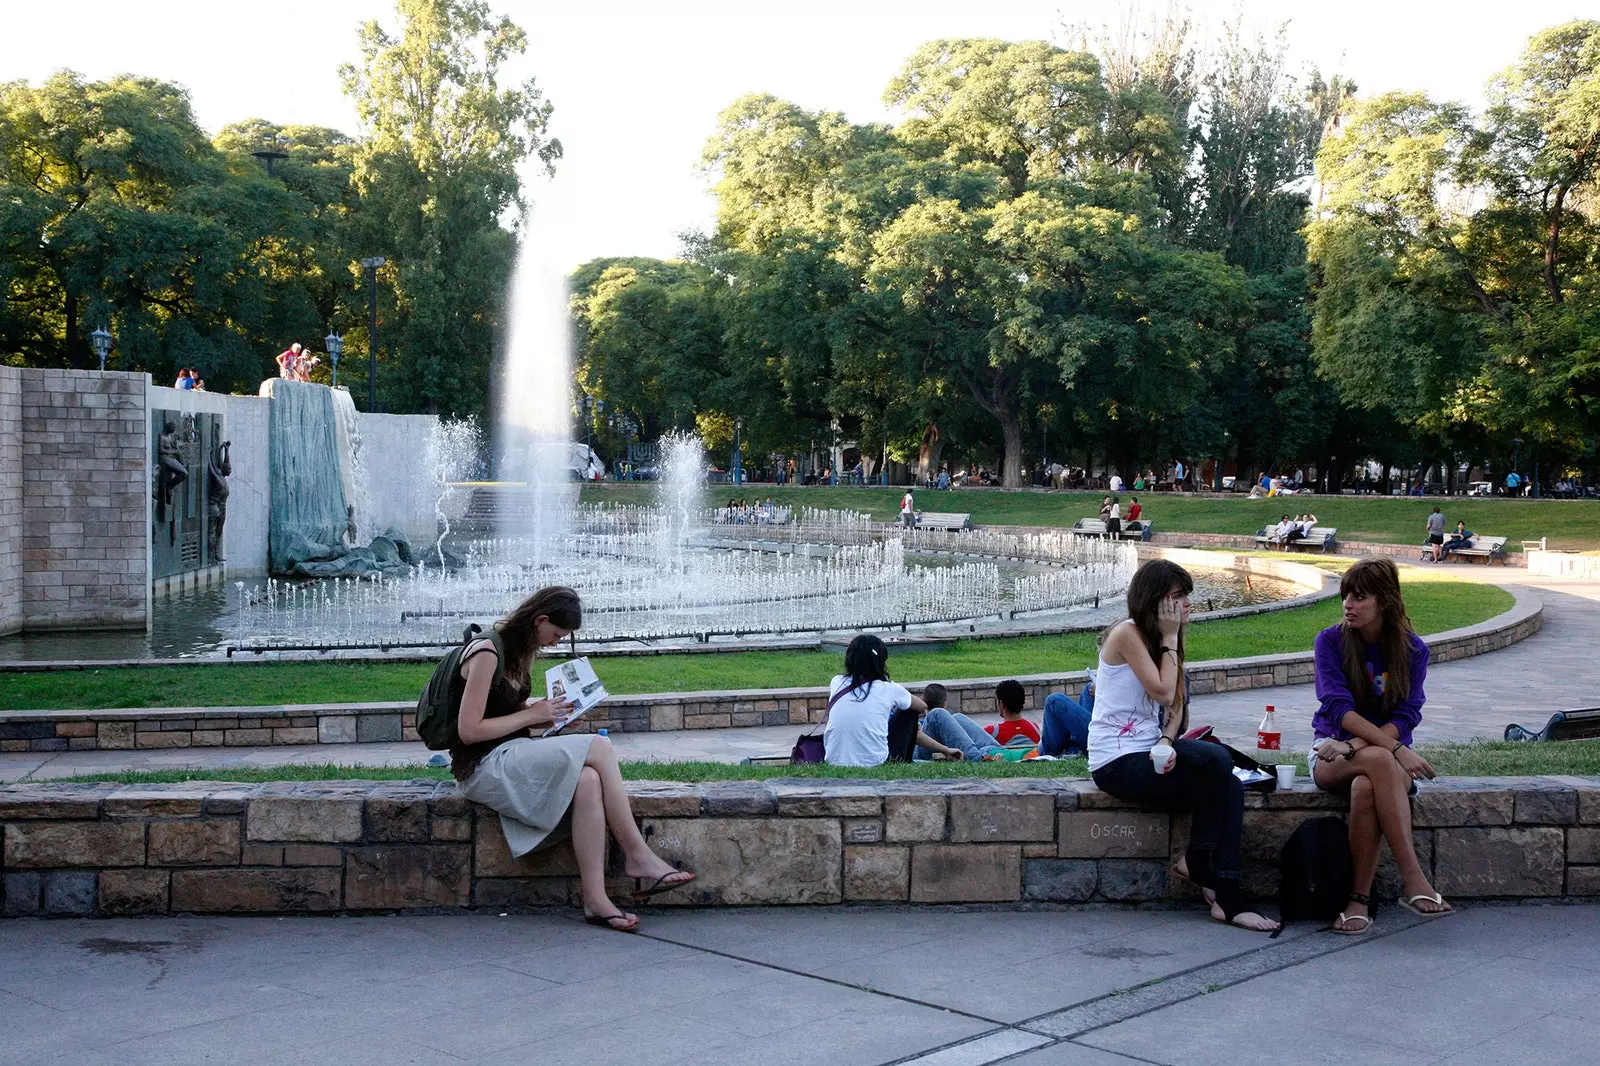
(1486, 759)
(1393, 520)
(1436, 600)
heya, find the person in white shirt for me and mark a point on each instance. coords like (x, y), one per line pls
(1116, 483)
(908, 510)
(866, 710)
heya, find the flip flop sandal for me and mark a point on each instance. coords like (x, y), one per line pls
(642, 892)
(1410, 904)
(605, 922)
(1355, 897)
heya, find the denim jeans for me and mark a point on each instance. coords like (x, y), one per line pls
(1066, 724)
(1202, 783)
(957, 731)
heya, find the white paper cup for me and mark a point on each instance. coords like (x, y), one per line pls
(1159, 756)
(1286, 775)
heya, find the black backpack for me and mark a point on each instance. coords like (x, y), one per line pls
(440, 704)
(1316, 871)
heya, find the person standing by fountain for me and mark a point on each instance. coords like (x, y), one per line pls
(908, 510)
(547, 790)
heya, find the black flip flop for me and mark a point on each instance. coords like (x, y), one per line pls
(605, 920)
(659, 885)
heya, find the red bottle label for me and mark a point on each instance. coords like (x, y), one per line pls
(1268, 741)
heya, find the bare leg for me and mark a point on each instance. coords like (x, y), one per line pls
(589, 842)
(1366, 844)
(638, 859)
(1392, 805)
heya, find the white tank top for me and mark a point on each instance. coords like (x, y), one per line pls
(1125, 718)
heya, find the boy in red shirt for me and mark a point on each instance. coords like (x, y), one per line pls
(1009, 696)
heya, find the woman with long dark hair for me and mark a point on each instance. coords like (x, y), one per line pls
(1140, 709)
(547, 790)
(1369, 670)
(871, 720)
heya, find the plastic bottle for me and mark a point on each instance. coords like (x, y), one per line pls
(1268, 739)
(604, 732)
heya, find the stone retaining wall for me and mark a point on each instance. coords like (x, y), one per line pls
(185, 727)
(74, 501)
(285, 847)
(1564, 564)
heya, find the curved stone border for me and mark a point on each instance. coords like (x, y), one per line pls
(362, 846)
(351, 723)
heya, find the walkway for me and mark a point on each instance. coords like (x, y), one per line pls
(839, 986)
(1466, 699)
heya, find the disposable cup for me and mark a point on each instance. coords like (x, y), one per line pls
(1286, 775)
(1159, 756)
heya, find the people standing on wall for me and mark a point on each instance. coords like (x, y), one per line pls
(287, 360)
(185, 379)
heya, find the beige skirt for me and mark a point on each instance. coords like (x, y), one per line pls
(531, 783)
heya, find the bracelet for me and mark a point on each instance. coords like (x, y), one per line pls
(1349, 751)
(1396, 749)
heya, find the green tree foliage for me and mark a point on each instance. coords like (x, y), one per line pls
(1457, 255)
(437, 173)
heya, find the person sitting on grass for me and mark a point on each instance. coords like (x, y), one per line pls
(552, 788)
(1369, 675)
(1140, 710)
(1461, 538)
(951, 733)
(1009, 697)
(1066, 723)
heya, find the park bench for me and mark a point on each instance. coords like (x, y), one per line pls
(1324, 538)
(947, 520)
(1137, 529)
(1485, 548)
(1581, 724)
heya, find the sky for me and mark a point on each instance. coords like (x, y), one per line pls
(637, 85)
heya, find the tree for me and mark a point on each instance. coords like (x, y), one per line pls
(437, 173)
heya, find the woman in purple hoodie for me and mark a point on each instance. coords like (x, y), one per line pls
(1370, 671)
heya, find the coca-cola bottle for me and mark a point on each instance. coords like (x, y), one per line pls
(1268, 739)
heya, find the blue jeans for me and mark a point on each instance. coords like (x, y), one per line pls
(1066, 724)
(957, 731)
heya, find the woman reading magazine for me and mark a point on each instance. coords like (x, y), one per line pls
(552, 788)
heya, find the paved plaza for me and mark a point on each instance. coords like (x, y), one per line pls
(1085, 987)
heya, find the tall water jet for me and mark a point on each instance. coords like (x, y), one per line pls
(679, 493)
(534, 413)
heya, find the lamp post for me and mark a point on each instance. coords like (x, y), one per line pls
(1516, 457)
(371, 267)
(738, 448)
(335, 345)
(101, 339)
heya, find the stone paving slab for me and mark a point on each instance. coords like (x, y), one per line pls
(1491, 984)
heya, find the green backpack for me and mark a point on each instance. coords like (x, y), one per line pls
(440, 705)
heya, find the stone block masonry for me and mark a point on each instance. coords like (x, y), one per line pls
(364, 846)
(74, 500)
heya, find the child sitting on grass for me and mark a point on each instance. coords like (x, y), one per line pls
(1009, 697)
(953, 735)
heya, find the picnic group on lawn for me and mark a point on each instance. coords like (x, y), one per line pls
(1131, 724)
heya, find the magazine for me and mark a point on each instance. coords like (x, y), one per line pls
(576, 682)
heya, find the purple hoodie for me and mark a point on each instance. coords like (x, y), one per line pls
(1334, 693)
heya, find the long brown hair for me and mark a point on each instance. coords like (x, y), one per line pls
(557, 603)
(1151, 584)
(1379, 578)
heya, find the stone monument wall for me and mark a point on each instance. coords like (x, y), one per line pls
(400, 481)
(74, 500)
(354, 846)
(244, 422)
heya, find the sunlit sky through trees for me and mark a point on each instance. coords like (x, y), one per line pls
(637, 86)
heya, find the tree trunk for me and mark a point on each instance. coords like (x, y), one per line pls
(932, 448)
(1552, 248)
(1011, 464)
(69, 347)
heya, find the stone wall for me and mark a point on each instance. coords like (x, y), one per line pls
(183, 727)
(11, 614)
(1564, 564)
(400, 473)
(74, 500)
(353, 846)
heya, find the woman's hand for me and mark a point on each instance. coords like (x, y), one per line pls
(1413, 764)
(1169, 618)
(546, 712)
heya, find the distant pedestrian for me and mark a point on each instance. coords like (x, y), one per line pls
(287, 360)
(908, 510)
(1436, 533)
(185, 379)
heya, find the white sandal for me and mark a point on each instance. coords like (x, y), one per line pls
(1410, 904)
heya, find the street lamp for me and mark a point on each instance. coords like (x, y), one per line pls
(335, 345)
(371, 267)
(738, 459)
(101, 339)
